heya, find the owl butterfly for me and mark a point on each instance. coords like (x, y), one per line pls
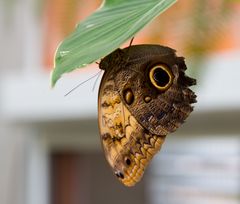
(143, 96)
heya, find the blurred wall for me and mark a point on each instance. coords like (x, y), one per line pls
(37, 123)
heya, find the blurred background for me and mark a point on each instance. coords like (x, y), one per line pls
(50, 151)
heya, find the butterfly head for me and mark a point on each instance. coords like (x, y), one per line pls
(111, 60)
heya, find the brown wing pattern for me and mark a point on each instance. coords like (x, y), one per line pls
(136, 110)
(128, 146)
(167, 110)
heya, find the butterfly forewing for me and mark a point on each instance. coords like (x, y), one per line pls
(128, 147)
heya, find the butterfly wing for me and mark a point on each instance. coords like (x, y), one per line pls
(127, 145)
(160, 112)
(134, 115)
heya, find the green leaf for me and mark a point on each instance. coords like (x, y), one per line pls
(105, 30)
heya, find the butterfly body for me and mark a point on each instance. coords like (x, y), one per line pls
(143, 96)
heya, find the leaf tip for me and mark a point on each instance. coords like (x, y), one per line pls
(54, 77)
(52, 81)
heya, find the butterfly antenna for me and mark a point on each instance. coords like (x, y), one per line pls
(81, 84)
(94, 85)
(128, 48)
(130, 44)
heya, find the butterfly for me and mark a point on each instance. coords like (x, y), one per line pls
(144, 95)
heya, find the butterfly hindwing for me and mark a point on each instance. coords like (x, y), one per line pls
(161, 112)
